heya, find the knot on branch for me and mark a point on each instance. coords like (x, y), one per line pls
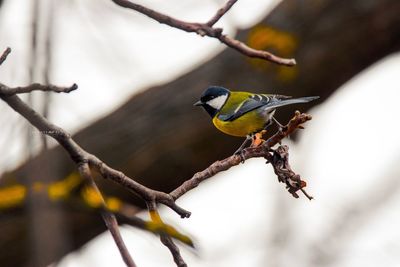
(295, 123)
(206, 30)
(280, 163)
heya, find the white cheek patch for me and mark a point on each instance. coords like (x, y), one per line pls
(217, 102)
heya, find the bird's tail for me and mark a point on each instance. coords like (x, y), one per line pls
(289, 101)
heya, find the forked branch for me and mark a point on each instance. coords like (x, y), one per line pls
(207, 29)
(84, 160)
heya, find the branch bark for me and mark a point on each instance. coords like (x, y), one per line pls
(5, 90)
(80, 156)
(263, 150)
(108, 217)
(207, 29)
(221, 12)
(5, 54)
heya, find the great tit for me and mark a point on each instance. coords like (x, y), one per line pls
(242, 113)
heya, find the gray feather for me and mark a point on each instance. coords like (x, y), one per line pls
(284, 102)
(268, 102)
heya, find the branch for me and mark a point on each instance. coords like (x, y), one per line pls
(151, 197)
(251, 52)
(221, 12)
(79, 155)
(83, 158)
(165, 238)
(5, 90)
(169, 243)
(108, 217)
(206, 29)
(147, 194)
(280, 163)
(3, 57)
(263, 150)
(278, 158)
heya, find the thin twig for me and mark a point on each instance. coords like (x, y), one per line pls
(166, 239)
(3, 57)
(173, 248)
(251, 52)
(108, 217)
(207, 29)
(5, 90)
(221, 12)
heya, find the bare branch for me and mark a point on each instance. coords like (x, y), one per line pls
(79, 155)
(169, 243)
(280, 163)
(278, 158)
(5, 90)
(108, 217)
(82, 158)
(206, 29)
(145, 193)
(251, 52)
(165, 238)
(263, 150)
(161, 18)
(5, 54)
(221, 12)
(152, 197)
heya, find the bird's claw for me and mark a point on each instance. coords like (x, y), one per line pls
(281, 128)
(240, 153)
(257, 138)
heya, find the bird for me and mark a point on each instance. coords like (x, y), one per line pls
(244, 114)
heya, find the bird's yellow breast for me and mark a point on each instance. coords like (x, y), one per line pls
(246, 124)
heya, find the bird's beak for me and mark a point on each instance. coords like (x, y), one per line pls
(198, 103)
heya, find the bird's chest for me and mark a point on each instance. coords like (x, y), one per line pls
(246, 124)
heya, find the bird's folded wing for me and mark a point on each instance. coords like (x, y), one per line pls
(253, 102)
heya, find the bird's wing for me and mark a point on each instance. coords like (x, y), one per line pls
(253, 101)
(268, 102)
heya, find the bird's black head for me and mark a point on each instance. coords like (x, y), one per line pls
(213, 99)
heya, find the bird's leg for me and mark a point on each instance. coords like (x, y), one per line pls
(278, 123)
(269, 123)
(242, 146)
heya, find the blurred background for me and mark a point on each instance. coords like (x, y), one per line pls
(137, 82)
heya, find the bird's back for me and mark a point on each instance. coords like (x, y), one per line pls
(245, 113)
